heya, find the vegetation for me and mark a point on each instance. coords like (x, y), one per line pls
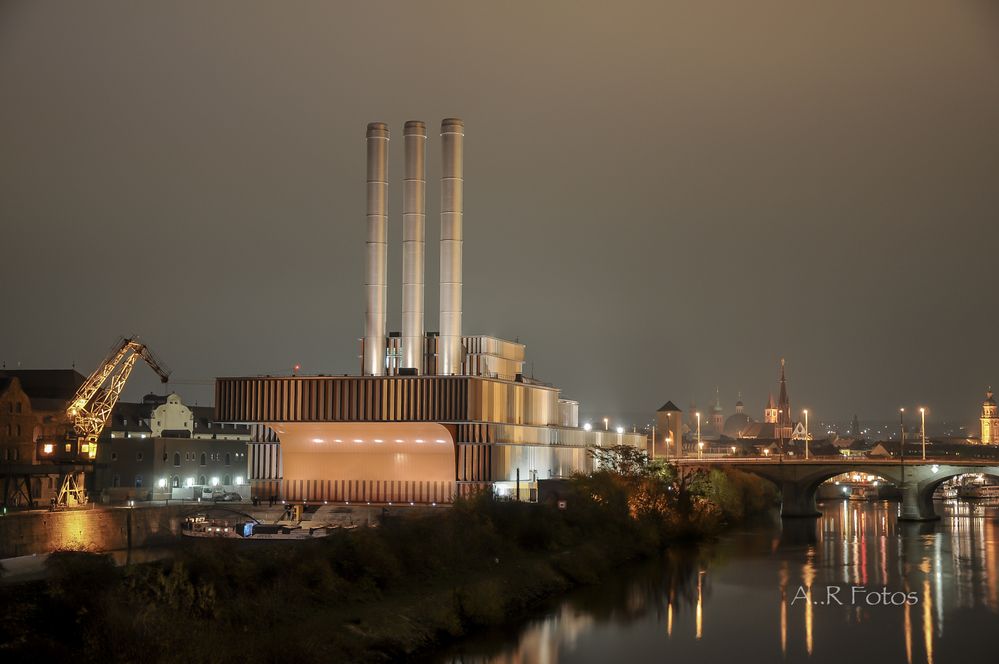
(376, 594)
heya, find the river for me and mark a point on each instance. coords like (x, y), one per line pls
(785, 591)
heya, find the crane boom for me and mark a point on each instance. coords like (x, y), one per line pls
(91, 406)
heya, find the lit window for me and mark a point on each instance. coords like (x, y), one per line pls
(47, 448)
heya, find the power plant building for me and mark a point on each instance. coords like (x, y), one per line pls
(431, 415)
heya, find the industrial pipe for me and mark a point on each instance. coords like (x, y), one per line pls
(376, 269)
(449, 355)
(413, 247)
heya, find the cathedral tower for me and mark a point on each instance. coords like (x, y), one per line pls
(990, 420)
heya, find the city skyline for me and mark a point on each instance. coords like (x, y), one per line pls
(641, 225)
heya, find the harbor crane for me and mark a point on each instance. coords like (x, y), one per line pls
(90, 408)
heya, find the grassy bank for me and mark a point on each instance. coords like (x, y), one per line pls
(371, 595)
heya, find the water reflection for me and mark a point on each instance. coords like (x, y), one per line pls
(803, 590)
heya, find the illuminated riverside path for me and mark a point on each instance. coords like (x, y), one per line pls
(799, 479)
(758, 594)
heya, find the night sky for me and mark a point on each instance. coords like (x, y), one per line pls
(660, 198)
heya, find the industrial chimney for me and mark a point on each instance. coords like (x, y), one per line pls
(377, 245)
(449, 354)
(413, 223)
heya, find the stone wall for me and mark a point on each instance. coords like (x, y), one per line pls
(96, 529)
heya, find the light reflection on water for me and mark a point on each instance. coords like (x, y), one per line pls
(760, 595)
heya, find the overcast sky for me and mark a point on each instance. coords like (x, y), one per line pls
(661, 197)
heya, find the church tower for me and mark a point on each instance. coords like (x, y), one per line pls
(990, 420)
(717, 419)
(770, 412)
(784, 421)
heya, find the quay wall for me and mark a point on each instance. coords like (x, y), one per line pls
(93, 529)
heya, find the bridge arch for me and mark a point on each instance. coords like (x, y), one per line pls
(798, 481)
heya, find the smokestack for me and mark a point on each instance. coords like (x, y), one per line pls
(377, 260)
(413, 223)
(452, 185)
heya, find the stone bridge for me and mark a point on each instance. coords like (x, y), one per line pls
(798, 479)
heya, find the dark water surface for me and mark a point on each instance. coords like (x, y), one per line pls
(760, 595)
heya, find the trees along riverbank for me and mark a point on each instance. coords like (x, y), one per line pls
(376, 594)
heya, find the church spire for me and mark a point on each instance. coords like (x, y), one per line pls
(783, 403)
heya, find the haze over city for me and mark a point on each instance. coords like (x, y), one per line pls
(660, 199)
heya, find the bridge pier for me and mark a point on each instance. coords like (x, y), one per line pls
(797, 499)
(917, 502)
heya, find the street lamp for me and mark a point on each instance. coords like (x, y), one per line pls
(806, 434)
(922, 417)
(700, 445)
(901, 454)
(780, 432)
(606, 424)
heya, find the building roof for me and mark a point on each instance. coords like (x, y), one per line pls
(47, 383)
(736, 424)
(669, 407)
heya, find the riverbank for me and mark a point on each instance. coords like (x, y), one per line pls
(370, 595)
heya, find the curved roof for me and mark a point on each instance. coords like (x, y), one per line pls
(736, 424)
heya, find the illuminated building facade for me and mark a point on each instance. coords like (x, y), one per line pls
(990, 420)
(432, 415)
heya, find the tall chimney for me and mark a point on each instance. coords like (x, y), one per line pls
(413, 223)
(452, 184)
(376, 268)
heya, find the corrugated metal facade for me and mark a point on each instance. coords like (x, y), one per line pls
(499, 430)
(384, 399)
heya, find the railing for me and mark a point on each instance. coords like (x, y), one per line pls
(826, 460)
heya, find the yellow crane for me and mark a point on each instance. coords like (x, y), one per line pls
(91, 406)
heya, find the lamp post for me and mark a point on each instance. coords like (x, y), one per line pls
(901, 454)
(780, 433)
(606, 424)
(700, 445)
(806, 434)
(669, 428)
(922, 417)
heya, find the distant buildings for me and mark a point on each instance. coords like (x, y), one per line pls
(777, 423)
(160, 444)
(32, 407)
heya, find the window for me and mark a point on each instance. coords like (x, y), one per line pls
(175, 482)
(204, 460)
(69, 447)
(17, 430)
(114, 455)
(176, 460)
(227, 480)
(116, 480)
(138, 481)
(138, 456)
(17, 407)
(8, 430)
(201, 480)
(17, 454)
(228, 460)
